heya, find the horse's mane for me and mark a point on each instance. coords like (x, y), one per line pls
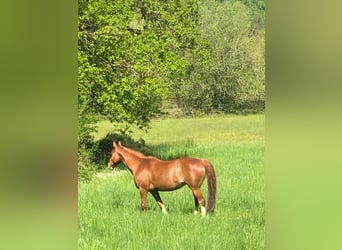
(135, 152)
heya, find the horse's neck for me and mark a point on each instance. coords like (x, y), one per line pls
(131, 159)
(137, 153)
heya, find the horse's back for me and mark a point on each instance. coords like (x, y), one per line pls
(193, 162)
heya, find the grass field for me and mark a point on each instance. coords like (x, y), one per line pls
(109, 214)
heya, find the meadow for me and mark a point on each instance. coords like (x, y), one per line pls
(109, 215)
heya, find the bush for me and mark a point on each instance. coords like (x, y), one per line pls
(94, 155)
(86, 127)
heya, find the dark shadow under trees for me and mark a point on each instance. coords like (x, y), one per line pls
(102, 148)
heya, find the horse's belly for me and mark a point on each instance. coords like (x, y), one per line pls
(160, 180)
(169, 187)
(168, 181)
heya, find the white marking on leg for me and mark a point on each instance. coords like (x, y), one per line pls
(164, 209)
(203, 210)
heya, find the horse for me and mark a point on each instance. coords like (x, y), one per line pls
(152, 175)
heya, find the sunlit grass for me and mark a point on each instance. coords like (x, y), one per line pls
(207, 130)
(109, 205)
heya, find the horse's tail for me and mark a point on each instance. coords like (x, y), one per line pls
(211, 178)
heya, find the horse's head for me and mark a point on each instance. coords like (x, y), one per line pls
(115, 158)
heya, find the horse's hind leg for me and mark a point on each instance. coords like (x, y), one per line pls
(200, 199)
(159, 201)
(196, 204)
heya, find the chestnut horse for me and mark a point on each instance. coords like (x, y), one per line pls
(152, 175)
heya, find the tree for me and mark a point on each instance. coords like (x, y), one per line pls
(232, 78)
(129, 52)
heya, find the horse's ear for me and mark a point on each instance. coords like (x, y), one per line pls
(120, 144)
(114, 144)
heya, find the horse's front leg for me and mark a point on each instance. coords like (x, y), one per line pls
(159, 201)
(143, 196)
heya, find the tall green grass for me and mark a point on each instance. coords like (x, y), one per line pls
(109, 205)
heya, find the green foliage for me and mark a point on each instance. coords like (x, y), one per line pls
(86, 127)
(231, 79)
(257, 11)
(128, 53)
